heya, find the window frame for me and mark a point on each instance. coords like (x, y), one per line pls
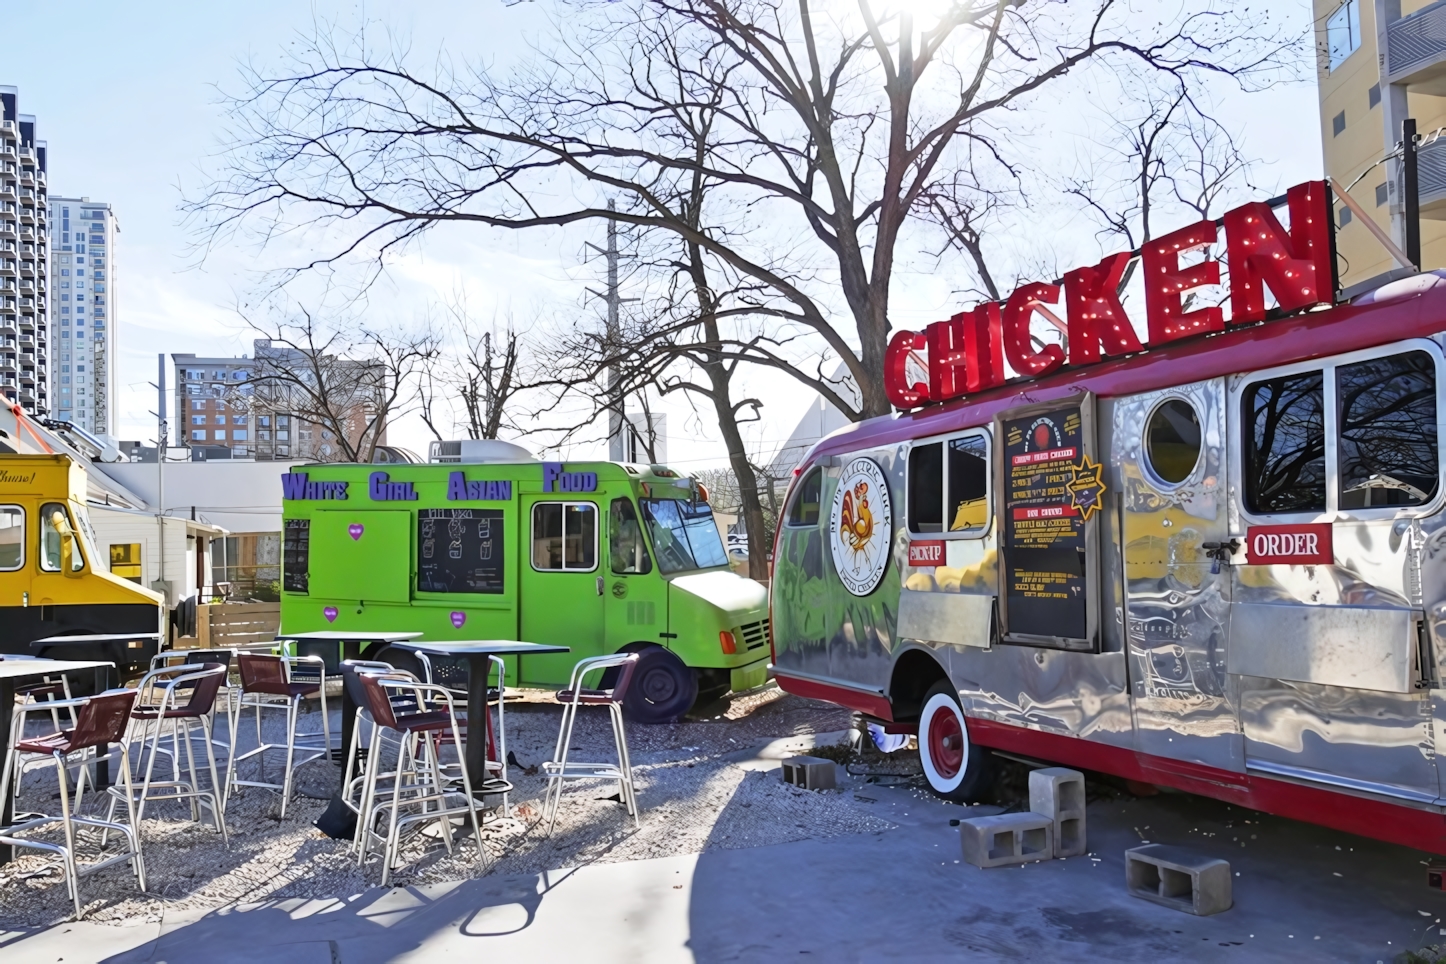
(986, 436)
(1351, 9)
(1147, 461)
(814, 472)
(532, 533)
(1241, 434)
(77, 541)
(23, 529)
(642, 538)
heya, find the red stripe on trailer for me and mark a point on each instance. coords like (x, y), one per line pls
(1424, 829)
(865, 701)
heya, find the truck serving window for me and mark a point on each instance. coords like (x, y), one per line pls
(1387, 441)
(949, 485)
(12, 538)
(295, 555)
(58, 541)
(926, 487)
(1285, 448)
(968, 484)
(803, 511)
(625, 537)
(564, 536)
(684, 535)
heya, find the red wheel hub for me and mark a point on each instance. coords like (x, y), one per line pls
(946, 743)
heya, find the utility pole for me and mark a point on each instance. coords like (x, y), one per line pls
(1410, 187)
(617, 440)
(162, 435)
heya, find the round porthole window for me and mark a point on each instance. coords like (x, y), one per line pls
(1172, 441)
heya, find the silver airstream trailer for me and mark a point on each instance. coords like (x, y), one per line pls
(1212, 557)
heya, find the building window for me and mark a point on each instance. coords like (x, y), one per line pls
(1382, 193)
(238, 419)
(1343, 32)
(125, 561)
(1338, 124)
(1374, 96)
(238, 435)
(220, 435)
(198, 435)
(198, 420)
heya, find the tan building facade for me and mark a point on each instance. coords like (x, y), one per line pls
(1380, 62)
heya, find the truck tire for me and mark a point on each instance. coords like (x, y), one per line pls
(662, 688)
(955, 768)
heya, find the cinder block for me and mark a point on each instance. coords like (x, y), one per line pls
(1178, 878)
(810, 772)
(1059, 793)
(1007, 838)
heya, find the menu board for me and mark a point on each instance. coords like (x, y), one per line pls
(459, 550)
(1051, 491)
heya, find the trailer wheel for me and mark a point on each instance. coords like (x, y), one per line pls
(662, 688)
(956, 769)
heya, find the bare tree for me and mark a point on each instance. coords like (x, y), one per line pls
(834, 127)
(477, 370)
(345, 385)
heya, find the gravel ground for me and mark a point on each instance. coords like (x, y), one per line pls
(694, 796)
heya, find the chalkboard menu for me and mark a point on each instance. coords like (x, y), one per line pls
(1051, 492)
(459, 550)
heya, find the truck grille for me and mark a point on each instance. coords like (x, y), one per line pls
(754, 635)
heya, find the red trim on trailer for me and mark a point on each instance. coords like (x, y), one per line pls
(1424, 829)
(873, 703)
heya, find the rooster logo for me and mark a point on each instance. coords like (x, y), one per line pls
(862, 526)
(856, 521)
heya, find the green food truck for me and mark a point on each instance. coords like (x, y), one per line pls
(484, 542)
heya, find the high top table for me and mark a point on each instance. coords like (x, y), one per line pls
(477, 652)
(18, 669)
(351, 646)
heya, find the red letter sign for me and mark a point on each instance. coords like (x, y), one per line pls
(1017, 314)
(1307, 544)
(1165, 282)
(948, 359)
(1096, 317)
(896, 379)
(983, 343)
(1296, 266)
(930, 553)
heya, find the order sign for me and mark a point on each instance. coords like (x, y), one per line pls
(1306, 544)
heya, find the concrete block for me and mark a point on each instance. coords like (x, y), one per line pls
(1059, 793)
(1178, 878)
(810, 772)
(1006, 838)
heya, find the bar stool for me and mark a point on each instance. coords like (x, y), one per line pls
(559, 770)
(267, 684)
(53, 690)
(100, 722)
(159, 701)
(351, 786)
(417, 782)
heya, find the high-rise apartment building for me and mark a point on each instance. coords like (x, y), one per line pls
(82, 293)
(1380, 62)
(24, 255)
(218, 406)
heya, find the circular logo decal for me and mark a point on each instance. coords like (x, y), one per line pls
(862, 526)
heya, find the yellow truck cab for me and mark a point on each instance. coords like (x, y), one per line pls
(52, 579)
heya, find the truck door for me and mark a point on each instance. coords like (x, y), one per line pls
(636, 597)
(563, 581)
(1170, 447)
(367, 555)
(1339, 479)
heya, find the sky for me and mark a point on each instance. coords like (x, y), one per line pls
(128, 97)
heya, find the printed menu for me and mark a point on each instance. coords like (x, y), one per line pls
(1051, 490)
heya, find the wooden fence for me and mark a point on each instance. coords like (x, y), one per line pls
(219, 625)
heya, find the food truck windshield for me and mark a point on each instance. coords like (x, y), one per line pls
(684, 535)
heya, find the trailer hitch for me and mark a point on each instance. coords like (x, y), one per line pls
(1219, 552)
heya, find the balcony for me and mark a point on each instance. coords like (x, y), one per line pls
(1416, 50)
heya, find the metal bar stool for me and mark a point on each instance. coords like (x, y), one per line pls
(356, 763)
(158, 702)
(417, 785)
(100, 722)
(54, 690)
(267, 684)
(559, 770)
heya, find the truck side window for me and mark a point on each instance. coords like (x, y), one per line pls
(296, 555)
(564, 536)
(803, 513)
(12, 537)
(1388, 438)
(1285, 445)
(926, 487)
(57, 540)
(625, 538)
(968, 484)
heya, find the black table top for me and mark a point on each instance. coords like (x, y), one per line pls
(481, 647)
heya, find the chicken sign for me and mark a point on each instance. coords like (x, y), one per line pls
(968, 353)
(861, 523)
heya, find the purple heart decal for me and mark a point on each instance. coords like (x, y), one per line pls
(458, 619)
(330, 613)
(355, 530)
